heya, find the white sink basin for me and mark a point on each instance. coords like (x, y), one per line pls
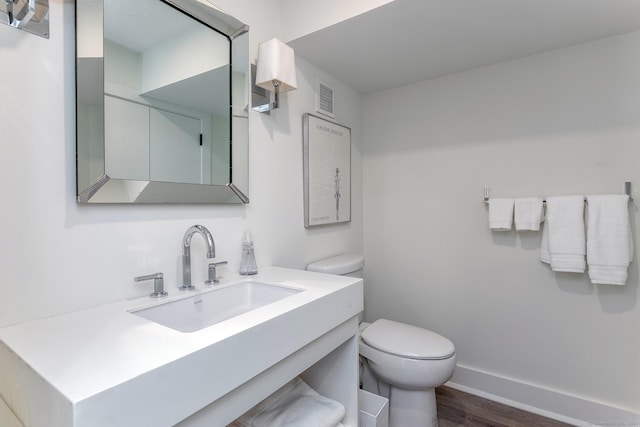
(208, 308)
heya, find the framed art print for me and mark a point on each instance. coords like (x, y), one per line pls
(327, 171)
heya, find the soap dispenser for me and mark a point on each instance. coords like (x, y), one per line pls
(248, 263)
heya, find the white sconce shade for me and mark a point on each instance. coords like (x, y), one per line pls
(276, 67)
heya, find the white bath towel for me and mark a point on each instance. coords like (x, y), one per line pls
(500, 214)
(295, 404)
(528, 213)
(609, 242)
(563, 238)
(545, 256)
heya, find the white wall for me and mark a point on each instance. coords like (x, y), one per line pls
(563, 122)
(57, 256)
(173, 60)
(302, 17)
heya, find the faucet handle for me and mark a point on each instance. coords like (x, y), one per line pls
(158, 284)
(212, 272)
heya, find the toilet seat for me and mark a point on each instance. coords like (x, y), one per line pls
(407, 341)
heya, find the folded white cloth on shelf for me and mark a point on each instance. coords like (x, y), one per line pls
(609, 242)
(295, 404)
(528, 214)
(563, 238)
(500, 214)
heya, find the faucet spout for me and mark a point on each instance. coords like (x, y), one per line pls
(186, 252)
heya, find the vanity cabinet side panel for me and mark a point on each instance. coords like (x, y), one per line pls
(336, 376)
(28, 397)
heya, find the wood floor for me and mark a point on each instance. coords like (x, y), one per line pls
(457, 408)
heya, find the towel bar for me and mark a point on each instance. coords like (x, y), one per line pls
(627, 191)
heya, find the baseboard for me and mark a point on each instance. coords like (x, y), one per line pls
(549, 403)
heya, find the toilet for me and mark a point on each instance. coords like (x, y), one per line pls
(405, 362)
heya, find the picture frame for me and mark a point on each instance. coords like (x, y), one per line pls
(327, 171)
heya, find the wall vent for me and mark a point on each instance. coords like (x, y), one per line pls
(324, 99)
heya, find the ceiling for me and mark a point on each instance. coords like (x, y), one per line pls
(407, 41)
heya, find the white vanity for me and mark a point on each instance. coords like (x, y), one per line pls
(109, 366)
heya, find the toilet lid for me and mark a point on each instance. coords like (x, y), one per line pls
(407, 340)
(341, 264)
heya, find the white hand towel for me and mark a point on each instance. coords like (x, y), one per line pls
(545, 256)
(565, 233)
(295, 404)
(500, 214)
(528, 213)
(609, 243)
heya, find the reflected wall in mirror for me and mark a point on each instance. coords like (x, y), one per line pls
(162, 102)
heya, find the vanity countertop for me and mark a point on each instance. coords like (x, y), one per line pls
(104, 366)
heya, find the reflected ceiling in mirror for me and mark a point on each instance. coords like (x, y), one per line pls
(161, 103)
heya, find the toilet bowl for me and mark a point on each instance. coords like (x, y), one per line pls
(411, 362)
(405, 362)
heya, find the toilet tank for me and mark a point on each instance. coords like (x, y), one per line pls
(346, 265)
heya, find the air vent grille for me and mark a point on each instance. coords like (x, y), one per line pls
(324, 99)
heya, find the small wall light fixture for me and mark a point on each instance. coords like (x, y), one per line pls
(276, 71)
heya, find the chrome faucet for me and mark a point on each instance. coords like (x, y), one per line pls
(158, 284)
(186, 252)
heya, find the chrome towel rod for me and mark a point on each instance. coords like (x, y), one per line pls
(627, 191)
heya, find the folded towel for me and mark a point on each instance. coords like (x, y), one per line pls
(545, 256)
(528, 213)
(500, 214)
(609, 243)
(563, 238)
(295, 404)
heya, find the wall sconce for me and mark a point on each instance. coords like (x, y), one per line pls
(28, 15)
(276, 71)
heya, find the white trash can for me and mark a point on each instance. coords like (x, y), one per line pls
(373, 410)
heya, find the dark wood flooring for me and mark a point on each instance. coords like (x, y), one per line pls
(457, 408)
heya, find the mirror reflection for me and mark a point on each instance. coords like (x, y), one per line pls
(164, 109)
